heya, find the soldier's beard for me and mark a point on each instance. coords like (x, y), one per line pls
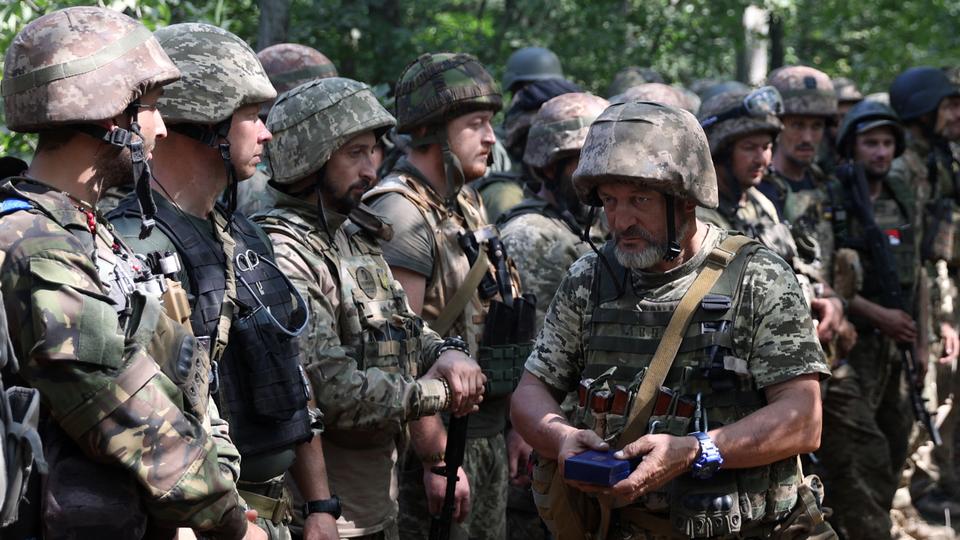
(114, 167)
(652, 254)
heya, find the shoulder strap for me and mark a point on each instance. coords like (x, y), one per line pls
(666, 352)
(467, 289)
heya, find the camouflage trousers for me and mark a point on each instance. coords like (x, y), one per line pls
(485, 462)
(523, 521)
(866, 428)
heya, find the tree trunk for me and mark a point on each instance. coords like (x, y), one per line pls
(274, 22)
(776, 42)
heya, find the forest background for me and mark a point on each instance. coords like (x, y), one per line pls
(869, 41)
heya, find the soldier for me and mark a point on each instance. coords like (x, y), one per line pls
(736, 474)
(929, 107)
(439, 251)
(530, 64)
(848, 95)
(867, 421)
(657, 93)
(287, 65)
(364, 348)
(631, 76)
(126, 432)
(808, 199)
(242, 306)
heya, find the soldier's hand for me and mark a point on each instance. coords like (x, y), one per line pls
(577, 442)
(465, 379)
(951, 344)
(898, 325)
(518, 456)
(665, 457)
(829, 311)
(320, 526)
(254, 532)
(436, 487)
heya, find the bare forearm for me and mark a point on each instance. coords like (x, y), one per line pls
(310, 470)
(861, 307)
(536, 415)
(789, 425)
(428, 436)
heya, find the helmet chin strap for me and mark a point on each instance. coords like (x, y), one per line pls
(216, 137)
(673, 245)
(452, 168)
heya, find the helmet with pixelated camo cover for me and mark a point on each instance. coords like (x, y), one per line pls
(436, 88)
(560, 127)
(291, 64)
(221, 73)
(651, 145)
(806, 91)
(655, 92)
(726, 132)
(846, 90)
(531, 64)
(312, 121)
(79, 65)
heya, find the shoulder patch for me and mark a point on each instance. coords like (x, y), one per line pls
(12, 205)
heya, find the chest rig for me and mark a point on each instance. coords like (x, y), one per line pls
(942, 216)
(707, 386)
(499, 337)
(259, 385)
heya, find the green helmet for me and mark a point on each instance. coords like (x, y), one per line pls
(721, 87)
(806, 91)
(863, 117)
(726, 132)
(531, 64)
(291, 64)
(655, 92)
(79, 65)
(846, 90)
(312, 121)
(436, 88)
(221, 73)
(650, 145)
(632, 76)
(560, 127)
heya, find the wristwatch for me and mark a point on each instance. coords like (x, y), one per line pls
(328, 506)
(708, 460)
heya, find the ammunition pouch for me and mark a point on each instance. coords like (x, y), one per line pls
(19, 447)
(503, 366)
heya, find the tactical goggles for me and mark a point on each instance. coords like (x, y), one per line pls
(761, 102)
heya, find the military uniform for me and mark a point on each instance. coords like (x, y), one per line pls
(768, 339)
(755, 217)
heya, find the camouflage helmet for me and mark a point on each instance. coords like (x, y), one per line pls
(846, 90)
(221, 73)
(919, 91)
(806, 91)
(312, 121)
(436, 88)
(655, 92)
(725, 132)
(863, 117)
(560, 127)
(650, 145)
(290, 64)
(721, 87)
(632, 76)
(531, 64)
(79, 65)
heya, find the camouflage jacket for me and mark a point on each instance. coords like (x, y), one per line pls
(543, 246)
(96, 379)
(366, 392)
(911, 172)
(755, 217)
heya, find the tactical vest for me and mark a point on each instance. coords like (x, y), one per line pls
(816, 217)
(261, 390)
(375, 322)
(450, 267)
(623, 332)
(942, 216)
(543, 208)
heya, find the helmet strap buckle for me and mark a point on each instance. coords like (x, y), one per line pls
(673, 245)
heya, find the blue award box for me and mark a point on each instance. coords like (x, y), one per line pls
(599, 468)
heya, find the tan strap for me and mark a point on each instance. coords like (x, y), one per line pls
(273, 510)
(230, 294)
(467, 289)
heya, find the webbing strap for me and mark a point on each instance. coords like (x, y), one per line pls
(467, 289)
(663, 358)
(79, 66)
(230, 292)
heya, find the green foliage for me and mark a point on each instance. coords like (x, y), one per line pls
(372, 40)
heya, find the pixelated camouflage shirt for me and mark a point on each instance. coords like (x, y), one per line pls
(772, 331)
(542, 246)
(74, 350)
(910, 173)
(365, 406)
(756, 217)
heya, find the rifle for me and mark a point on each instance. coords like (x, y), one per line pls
(876, 244)
(453, 460)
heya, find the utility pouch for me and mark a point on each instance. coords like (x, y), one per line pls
(567, 512)
(19, 417)
(705, 509)
(503, 366)
(807, 519)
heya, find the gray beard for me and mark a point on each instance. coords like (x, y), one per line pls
(648, 256)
